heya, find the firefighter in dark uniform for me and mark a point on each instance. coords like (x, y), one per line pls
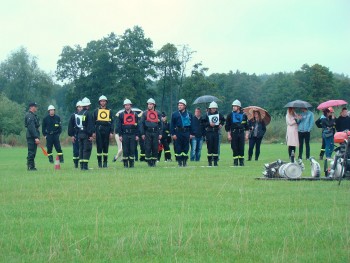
(165, 140)
(141, 142)
(73, 133)
(180, 128)
(127, 129)
(237, 132)
(31, 122)
(85, 122)
(213, 123)
(103, 118)
(51, 130)
(151, 132)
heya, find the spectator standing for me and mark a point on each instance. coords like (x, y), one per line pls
(292, 138)
(198, 133)
(328, 132)
(257, 131)
(342, 123)
(305, 124)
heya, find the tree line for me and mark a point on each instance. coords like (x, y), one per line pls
(128, 66)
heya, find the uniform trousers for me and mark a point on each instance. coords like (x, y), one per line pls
(151, 145)
(32, 147)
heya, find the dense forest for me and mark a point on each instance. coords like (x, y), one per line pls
(127, 66)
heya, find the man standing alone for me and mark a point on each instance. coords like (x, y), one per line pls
(31, 122)
(52, 129)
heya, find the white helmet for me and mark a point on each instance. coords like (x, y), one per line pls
(85, 102)
(127, 101)
(103, 97)
(51, 107)
(79, 104)
(213, 105)
(150, 100)
(183, 102)
(236, 103)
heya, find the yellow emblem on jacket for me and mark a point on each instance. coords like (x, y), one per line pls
(103, 115)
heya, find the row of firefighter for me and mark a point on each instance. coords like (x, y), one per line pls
(131, 126)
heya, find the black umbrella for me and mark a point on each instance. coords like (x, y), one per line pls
(298, 104)
(205, 99)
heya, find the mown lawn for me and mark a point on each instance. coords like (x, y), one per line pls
(169, 214)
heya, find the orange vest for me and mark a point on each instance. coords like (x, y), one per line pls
(129, 119)
(152, 116)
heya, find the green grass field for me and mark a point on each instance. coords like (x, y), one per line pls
(169, 214)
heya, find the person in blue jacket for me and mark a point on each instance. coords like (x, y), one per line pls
(180, 129)
(237, 132)
(305, 124)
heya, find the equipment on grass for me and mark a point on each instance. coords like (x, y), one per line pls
(57, 163)
(315, 168)
(281, 169)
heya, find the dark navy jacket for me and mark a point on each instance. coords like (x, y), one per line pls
(177, 122)
(198, 128)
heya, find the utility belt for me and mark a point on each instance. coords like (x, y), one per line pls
(52, 132)
(129, 130)
(103, 125)
(155, 129)
(182, 129)
(240, 130)
(103, 128)
(212, 129)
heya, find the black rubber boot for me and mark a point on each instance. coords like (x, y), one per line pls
(179, 160)
(76, 161)
(81, 165)
(235, 162)
(167, 156)
(86, 166)
(50, 158)
(131, 163)
(215, 161)
(31, 166)
(61, 158)
(241, 161)
(184, 161)
(105, 159)
(99, 161)
(210, 162)
(125, 163)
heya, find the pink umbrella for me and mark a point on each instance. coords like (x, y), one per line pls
(331, 103)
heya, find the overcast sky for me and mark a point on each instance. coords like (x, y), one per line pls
(253, 36)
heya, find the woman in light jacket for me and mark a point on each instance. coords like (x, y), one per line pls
(257, 130)
(292, 131)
